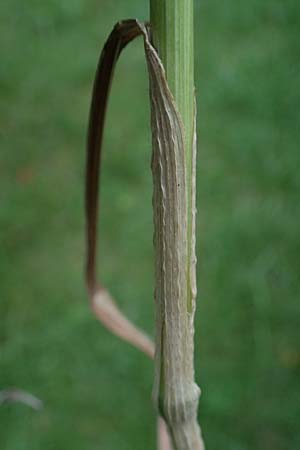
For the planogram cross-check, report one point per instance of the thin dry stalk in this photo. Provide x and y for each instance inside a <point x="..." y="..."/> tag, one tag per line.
<point x="14" y="395"/>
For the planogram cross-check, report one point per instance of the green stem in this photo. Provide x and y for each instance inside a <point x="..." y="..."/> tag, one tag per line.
<point x="172" y="25"/>
<point x="172" y="32"/>
<point x="173" y="166"/>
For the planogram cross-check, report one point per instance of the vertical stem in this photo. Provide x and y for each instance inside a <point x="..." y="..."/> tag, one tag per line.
<point x="172" y="33"/>
<point x="172" y="25"/>
<point x="175" y="391"/>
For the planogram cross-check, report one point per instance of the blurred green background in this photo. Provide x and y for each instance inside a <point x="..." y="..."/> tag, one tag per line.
<point x="96" y="389"/>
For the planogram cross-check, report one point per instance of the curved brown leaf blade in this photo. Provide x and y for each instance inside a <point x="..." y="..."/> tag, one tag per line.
<point x="108" y="312"/>
<point x="102" y="303"/>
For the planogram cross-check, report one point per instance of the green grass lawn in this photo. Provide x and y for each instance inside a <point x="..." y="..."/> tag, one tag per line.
<point x="96" y="389"/>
